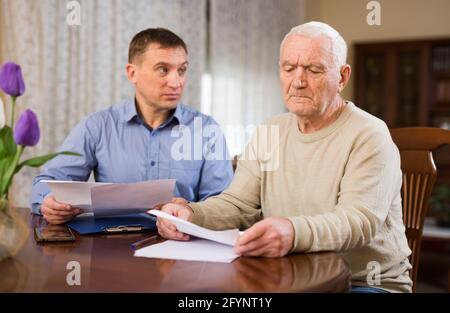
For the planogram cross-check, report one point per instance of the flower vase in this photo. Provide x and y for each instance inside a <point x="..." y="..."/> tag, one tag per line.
<point x="13" y="230"/>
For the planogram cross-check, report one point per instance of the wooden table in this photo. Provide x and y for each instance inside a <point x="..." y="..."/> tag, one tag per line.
<point x="107" y="264"/>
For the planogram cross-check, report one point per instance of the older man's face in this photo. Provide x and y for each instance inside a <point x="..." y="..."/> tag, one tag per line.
<point x="309" y="77"/>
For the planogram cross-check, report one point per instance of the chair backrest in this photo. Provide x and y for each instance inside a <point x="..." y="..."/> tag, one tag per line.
<point x="419" y="175"/>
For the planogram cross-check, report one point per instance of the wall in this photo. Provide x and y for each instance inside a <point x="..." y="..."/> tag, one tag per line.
<point x="400" y="19"/>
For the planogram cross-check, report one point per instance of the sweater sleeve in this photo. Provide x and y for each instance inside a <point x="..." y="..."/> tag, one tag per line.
<point x="239" y="206"/>
<point x="371" y="180"/>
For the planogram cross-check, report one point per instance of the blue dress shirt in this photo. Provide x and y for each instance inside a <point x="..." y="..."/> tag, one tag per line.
<point x="119" y="147"/>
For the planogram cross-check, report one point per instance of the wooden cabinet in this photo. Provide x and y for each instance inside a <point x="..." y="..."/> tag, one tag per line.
<point x="407" y="83"/>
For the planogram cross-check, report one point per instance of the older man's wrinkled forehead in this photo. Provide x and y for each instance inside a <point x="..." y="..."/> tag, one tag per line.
<point x="300" y="49"/>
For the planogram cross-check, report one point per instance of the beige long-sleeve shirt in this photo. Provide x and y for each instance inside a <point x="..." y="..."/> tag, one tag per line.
<point x="339" y="186"/>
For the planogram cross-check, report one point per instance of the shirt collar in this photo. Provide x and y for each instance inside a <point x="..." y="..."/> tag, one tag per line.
<point x="130" y="114"/>
<point x="178" y="115"/>
<point x="130" y="111"/>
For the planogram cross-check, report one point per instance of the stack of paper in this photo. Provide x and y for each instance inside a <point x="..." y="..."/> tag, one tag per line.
<point x="210" y="245"/>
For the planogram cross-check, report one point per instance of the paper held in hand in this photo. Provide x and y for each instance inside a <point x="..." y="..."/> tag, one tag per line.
<point x="204" y="244"/>
<point x="107" y="199"/>
<point x="227" y="237"/>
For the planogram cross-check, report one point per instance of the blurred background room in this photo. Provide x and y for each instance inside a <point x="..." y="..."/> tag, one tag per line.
<point x="73" y="56"/>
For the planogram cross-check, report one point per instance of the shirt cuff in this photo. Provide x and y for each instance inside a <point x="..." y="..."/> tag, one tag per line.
<point x="36" y="206"/>
<point x="303" y="234"/>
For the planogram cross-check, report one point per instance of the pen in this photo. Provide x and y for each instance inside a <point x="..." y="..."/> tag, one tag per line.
<point x="144" y="241"/>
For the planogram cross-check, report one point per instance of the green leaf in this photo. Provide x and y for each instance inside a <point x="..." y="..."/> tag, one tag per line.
<point x="40" y="160"/>
<point x="9" y="170"/>
<point x="5" y="163"/>
<point x="8" y="146"/>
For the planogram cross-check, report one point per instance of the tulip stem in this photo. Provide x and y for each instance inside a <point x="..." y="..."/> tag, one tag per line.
<point x="11" y="171"/>
<point x="12" y="111"/>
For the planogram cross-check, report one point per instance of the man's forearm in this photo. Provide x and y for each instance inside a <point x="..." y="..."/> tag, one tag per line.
<point x="225" y="211"/>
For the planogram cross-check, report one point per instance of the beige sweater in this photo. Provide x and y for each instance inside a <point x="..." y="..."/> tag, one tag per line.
<point x="340" y="187"/>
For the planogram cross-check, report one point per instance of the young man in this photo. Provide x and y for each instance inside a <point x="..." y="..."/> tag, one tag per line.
<point x="140" y="139"/>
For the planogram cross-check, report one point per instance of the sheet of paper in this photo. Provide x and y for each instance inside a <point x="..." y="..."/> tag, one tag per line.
<point x="195" y="249"/>
<point x="227" y="237"/>
<point x="76" y="193"/>
<point x="105" y="199"/>
<point x="117" y="199"/>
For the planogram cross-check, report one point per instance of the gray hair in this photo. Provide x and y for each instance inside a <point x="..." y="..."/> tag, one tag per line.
<point x="316" y="29"/>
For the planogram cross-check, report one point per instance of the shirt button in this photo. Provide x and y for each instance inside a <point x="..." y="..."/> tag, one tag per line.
<point x="153" y="134"/>
<point x="152" y="163"/>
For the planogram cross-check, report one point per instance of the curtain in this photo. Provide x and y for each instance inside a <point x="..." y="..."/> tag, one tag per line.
<point x="245" y="38"/>
<point x="71" y="71"/>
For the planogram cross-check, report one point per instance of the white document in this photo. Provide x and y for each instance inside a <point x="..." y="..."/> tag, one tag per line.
<point x="116" y="199"/>
<point x="211" y="245"/>
<point x="77" y="194"/>
<point x="227" y="237"/>
<point x="106" y="199"/>
<point x="196" y="249"/>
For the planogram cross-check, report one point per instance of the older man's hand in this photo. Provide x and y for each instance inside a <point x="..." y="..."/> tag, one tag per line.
<point x="168" y="230"/>
<point x="271" y="237"/>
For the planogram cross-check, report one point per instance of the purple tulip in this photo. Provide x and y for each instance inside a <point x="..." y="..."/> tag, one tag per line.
<point x="11" y="80"/>
<point x="26" y="132"/>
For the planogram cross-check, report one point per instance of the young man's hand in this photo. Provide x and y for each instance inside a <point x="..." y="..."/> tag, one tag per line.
<point x="56" y="212"/>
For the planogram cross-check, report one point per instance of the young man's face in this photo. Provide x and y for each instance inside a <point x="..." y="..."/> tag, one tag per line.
<point x="309" y="77"/>
<point x="159" y="76"/>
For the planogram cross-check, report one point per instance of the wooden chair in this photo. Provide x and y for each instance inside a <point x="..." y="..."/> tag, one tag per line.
<point x="234" y="162"/>
<point x="419" y="175"/>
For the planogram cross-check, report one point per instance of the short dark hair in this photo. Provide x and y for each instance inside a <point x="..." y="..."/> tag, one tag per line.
<point x="162" y="36"/>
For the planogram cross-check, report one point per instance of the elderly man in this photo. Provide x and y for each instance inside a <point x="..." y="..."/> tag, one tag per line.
<point x="332" y="183"/>
<point x="141" y="139"/>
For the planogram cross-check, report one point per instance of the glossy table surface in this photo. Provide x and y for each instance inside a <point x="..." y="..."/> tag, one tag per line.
<point x="106" y="264"/>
